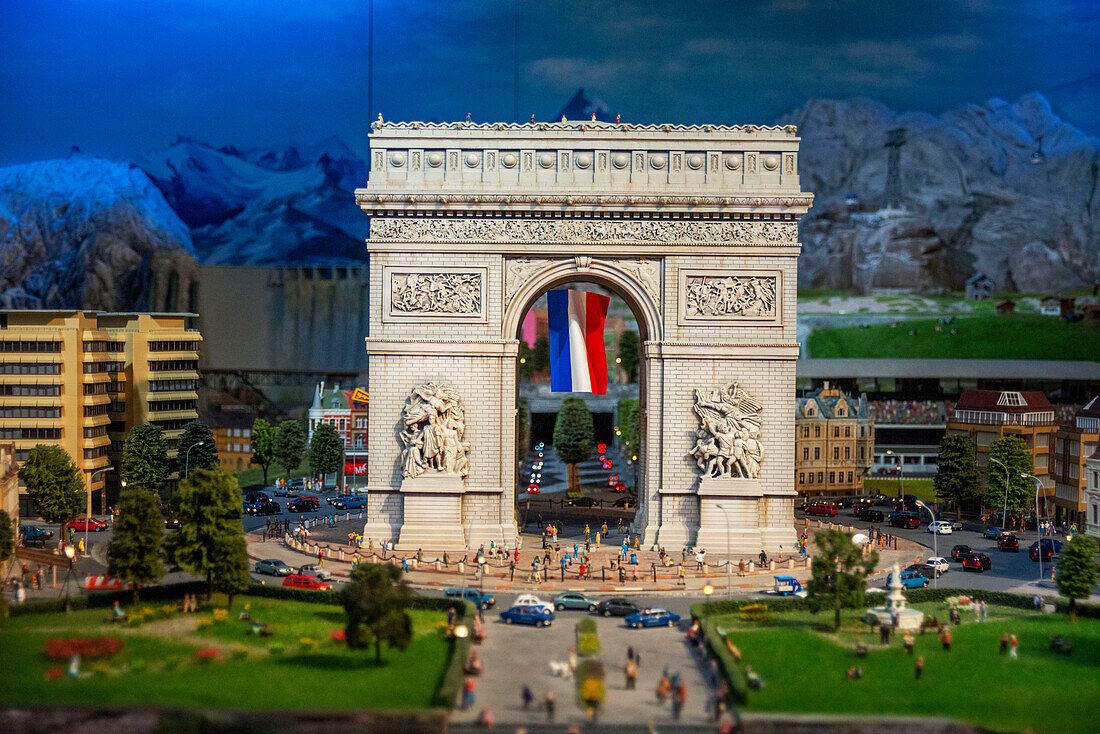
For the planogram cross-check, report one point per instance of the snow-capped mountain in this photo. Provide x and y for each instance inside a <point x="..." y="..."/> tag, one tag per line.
<point x="1008" y="189"/>
<point x="85" y="232"/>
<point x="290" y="205"/>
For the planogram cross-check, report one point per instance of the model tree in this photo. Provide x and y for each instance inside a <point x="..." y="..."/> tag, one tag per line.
<point x="196" y="448"/>
<point x="630" y="426"/>
<point x="135" y="552"/>
<point x="526" y="364"/>
<point x="376" y="602"/>
<point x="210" y="529"/>
<point x="574" y="437"/>
<point x="540" y="354"/>
<point x="230" y="567"/>
<point x="1012" y="452"/>
<point x="7" y="536"/>
<point x="263" y="445"/>
<point x="1076" y="577"/>
<point x="326" y="450"/>
<point x="956" y="477"/>
<point x="840" y="573"/>
<point x="145" y="460"/>
<point x="629" y="354"/>
<point x="290" y="445"/>
<point x="523" y="430"/>
<point x="54" y="484"/>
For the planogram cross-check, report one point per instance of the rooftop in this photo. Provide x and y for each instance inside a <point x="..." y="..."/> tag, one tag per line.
<point x="1004" y="401"/>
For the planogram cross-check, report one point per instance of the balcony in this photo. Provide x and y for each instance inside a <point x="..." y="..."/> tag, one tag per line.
<point x="991" y="418"/>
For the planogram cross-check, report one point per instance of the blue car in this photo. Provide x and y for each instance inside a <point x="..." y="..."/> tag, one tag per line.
<point x="273" y="567"/>
<point x="483" y="601"/>
<point x="652" y="618"/>
<point x="993" y="533"/>
<point x="536" y="616"/>
<point x="350" y="503"/>
<point x="909" y="579"/>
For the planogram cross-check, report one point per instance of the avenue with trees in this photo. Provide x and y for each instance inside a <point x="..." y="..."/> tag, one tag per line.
<point x="263" y="445"/>
<point x="54" y="484"/>
<point x="1011" y="452"/>
<point x="210" y="540"/>
<point x="957" y="480"/>
<point x="376" y="601"/>
<point x="839" y="573"/>
<point x="145" y="461"/>
<point x="574" y="437"/>
<point x="326" y="450"/>
<point x="289" y="445"/>
<point x="136" y="551"/>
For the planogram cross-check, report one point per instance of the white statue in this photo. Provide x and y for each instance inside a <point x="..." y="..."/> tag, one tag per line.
<point x="727" y="444"/>
<point x="434" y="427"/>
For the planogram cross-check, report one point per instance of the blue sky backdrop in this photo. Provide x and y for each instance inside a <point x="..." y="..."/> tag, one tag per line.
<point x="124" y="77"/>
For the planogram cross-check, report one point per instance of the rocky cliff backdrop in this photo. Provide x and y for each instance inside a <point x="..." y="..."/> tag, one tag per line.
<point x="1007" y="189"/>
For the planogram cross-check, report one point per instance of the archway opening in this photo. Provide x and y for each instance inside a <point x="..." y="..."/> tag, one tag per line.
<point x="606" y="486"/>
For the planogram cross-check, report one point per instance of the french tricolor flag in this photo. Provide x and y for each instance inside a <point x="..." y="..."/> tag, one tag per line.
<point x="578" y="362"/>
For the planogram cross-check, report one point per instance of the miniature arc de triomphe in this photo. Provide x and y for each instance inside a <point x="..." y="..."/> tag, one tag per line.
<point x="696" y="228"/>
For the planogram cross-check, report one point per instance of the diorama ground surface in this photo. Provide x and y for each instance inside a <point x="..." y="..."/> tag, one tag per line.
<point x="804" y="666"/>
<point x="922" y="489"/>
<point x="298" y="667"/>
<point x="987" y="336"/>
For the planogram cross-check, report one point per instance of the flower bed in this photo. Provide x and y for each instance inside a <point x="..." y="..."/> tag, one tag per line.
<point x="89" y="647"/>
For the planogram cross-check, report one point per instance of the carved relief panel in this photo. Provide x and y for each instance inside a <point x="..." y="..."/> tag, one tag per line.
<point x="441" y="294"/>
<point x="751" y="296"/>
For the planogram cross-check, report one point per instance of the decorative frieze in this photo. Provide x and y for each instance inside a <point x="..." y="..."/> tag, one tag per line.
<point x="433" y="431"/>
<point x="582" y="230"/>
<point x="754" y="297"/>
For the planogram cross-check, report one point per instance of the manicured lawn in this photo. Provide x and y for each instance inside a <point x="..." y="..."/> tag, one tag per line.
<point x="158" y="664"/>
<point x="919" y="488"/>
<point x="1012" y="336"/>
<point x="805" y="670"/>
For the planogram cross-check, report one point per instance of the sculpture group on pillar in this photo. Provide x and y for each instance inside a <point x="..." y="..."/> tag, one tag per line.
<point x="433" y="430"/>
<point x="727" y="443"/>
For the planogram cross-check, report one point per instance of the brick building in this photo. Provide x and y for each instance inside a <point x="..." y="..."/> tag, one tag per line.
<point x="986" y="415"/>
<point x="1073" y="445"/>
<point x="82" y="380"/>
<point x="834" y="443"/>
<point x="349" y="417"/>
<point x="232" y="436"/>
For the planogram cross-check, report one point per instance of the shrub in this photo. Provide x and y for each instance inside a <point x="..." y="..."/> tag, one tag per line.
<point x="89" y="647"/>
<point x="207" y="655"/>
<point x="588" y="645"/>
<point x="590" y="682"/>
<point x="102" y="668"/>
<point x="586" y="626"/>
<point x="276" y="649"/>
<point x="755" y="613"/>
<point x="237" y="651"/>
<point x="220" y="615"/>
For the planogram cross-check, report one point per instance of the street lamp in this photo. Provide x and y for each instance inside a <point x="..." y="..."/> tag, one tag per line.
<point x="1004" y="509"/>
<point x="88" y="513"/>
<point x="729" y="557"/>
<point x="187" y="456"/>
<point x="901" y="482"/>
<point x="935" y="551"/>
<point x="69" y="553"/>
<point x="481" y="572"/>
<point x="1039" y="542"/>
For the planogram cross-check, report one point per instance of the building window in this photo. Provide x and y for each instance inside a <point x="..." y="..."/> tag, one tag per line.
<point x="158" y="406"/>
<point x="29" y="368"/>
<point x="90" y="411"/>
<point x="30" y="347"/>
<point x="811" y="480"/>
<point x="847" y="431"/>
<point x="801" y="477"/>
<point x="817" y="453"/>
<point x="862" y="431"/>
<point x="23" y="434"/>
<point x="29" y="411"/>
<point x="847" y="452"/>
<point x="832" y="477"/>
<point x="174" y="346"/>
<point x="862" y="453"/>
<point x="836" y="453"/>
<point x="31" y="391"/>
<point x="246" y="432"/>
<point x="836" y="431"/>
<point x="821" y="477"/>
<point x="817" y="431"/>
<point x="1074" y="448"/>
<point x="173" y="365"/>
<point x="1041" y="461"/>
<point x="1042" y="440"/>
<point x="1073" y="471"/>
<point x="172" y="385"/>
<point x="95" y="432"/>
<point x="849" y="477"/>
<point x="805" y="431"/>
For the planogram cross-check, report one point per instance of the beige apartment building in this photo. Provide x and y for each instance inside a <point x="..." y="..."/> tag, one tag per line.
<point x="834" y="443"/>
<point x="986" y="415"/>
<point x="82" y="379"/>
<point x="1073" y="445"/>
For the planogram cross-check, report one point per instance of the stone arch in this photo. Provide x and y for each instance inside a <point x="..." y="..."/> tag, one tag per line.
<point x="607" y="273"/>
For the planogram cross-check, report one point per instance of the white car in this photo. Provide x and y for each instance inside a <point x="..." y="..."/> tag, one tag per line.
<point x="938" y="564"/>
<point x="530" y="600"/>
<point x="940" y="527"/>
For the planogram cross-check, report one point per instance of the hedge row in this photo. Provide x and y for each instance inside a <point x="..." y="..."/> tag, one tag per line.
<point x="738" y="683"/>
<point x="914" y="596"/>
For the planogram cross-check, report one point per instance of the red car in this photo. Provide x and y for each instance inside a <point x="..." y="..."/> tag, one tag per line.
<point x="299" y="581"/>
<point x="619" y="487"/>
<point x="532" y="489"/>
<point x="821" y="508"/>
<point x="87" y="523"/>
<point x="976" y="562"/>
<point x="1008" y="543"/>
